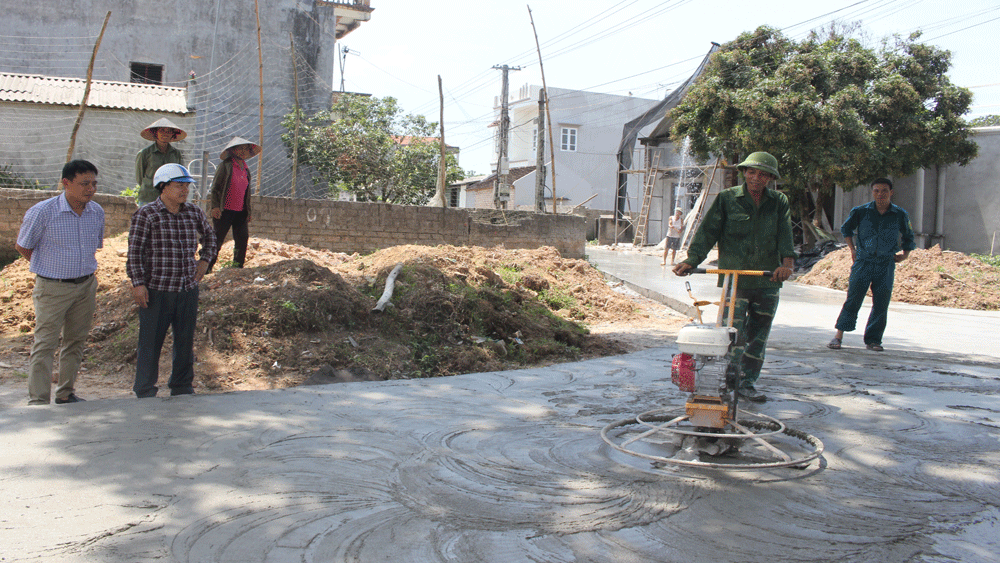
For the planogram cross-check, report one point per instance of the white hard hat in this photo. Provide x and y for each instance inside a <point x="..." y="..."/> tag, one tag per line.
<point x="171" y="173"/>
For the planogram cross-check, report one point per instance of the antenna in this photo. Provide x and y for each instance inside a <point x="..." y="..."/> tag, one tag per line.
<point x="344" y="51"/>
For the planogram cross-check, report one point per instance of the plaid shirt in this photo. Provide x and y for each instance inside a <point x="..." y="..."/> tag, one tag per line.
<point x="162" y="246"/>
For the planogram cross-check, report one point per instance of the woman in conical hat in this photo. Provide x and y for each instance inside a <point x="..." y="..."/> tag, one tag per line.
<point x="231" y="197"/>
<point x="162" y="132"/>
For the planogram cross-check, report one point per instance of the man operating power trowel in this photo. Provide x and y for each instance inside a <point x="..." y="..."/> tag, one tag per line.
<point x="753" y="229"/>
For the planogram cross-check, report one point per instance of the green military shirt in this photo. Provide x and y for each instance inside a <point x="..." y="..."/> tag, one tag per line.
<point x="749" y="237"/>
<point x="147" y="161"/>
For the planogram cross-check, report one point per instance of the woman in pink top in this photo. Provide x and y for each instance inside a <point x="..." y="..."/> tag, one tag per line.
<point x="231" y="197"/>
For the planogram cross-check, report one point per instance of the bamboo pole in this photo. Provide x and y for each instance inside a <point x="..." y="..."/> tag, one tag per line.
<point x="548" y="111"/>
<point x="260" y="62"/>
<point x="295" y="133"/>
<point x="86" y="90"/>
<point x="439" y="200"/>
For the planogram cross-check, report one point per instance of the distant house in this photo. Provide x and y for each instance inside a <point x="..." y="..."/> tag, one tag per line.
<point x="208" y="50"/>
<point x="587" y="130"/>
<point x="39" y="113"/>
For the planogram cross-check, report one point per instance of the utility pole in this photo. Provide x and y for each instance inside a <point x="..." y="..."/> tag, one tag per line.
<point x="540" y="156"/>
<point x="501" y="188"/>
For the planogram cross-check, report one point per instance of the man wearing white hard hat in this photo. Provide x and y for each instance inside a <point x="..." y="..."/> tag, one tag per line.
<point x="162" y="132"/>
<point x="162" y="241"/>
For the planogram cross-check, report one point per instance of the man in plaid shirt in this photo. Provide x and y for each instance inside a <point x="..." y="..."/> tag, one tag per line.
<point x="162" y="242"/>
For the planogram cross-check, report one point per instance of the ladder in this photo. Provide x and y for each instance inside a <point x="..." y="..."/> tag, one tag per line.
<point x="647" y="197"/>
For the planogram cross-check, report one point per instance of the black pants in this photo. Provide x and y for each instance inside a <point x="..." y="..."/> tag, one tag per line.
<point x="241" y="234"/>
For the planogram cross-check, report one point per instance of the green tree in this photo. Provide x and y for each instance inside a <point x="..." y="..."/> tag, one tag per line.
<point x="985" y="121"/>
<point x="830" y="109"/>
<point x="366" y="146"/>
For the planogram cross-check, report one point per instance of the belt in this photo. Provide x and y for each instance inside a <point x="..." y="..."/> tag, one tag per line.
<point x="80" y="279"/>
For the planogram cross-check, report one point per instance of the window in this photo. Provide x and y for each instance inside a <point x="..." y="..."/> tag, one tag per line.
<point x="567" y="141"/>
<point x="146" y="73"/>
<point x="453" y="195"/>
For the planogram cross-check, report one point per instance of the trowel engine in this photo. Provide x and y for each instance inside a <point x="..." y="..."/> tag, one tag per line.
<point x="702" y="368"/>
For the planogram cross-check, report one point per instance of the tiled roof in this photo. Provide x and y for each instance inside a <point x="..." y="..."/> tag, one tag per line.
<point x="54" y="90"/>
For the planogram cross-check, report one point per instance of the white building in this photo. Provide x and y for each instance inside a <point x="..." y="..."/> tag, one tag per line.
<point x="587" y="129"/>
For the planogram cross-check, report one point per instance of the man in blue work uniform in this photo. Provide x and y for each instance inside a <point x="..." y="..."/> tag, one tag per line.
<point x="752" y="226"/>
<point x="878" y="227"/>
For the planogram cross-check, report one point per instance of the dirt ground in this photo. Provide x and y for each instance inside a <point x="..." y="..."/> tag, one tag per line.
<point x="299" y="316"/>
<point x="927" y="277"/>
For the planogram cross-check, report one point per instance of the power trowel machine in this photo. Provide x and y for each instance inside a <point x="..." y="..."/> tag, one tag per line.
<point x="708" y="431"/>
<point x="704" y="368"/>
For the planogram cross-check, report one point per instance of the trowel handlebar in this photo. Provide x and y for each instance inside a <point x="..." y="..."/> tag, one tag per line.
<point x="765" y="273"/>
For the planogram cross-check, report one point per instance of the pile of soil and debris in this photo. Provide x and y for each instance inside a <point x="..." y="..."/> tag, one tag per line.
<point x="300" y="315"/>
<point x="926" y="277"/>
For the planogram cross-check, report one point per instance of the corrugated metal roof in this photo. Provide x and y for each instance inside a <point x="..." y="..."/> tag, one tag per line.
<point x="54" y="90"/>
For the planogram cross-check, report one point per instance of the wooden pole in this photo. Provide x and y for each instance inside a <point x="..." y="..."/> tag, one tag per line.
<point x="548" y="111"/>
<point x="439" y="200"/>
<point x="86" y="91"/>
<point x="260" y="62"/>
<point x="540" y="157"/>
<point x="295" y="133"/>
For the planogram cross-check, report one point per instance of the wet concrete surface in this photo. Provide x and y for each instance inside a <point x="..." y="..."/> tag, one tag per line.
<point x="510" y="466"/>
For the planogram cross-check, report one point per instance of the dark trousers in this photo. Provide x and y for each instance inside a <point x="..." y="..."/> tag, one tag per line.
<point x="752" y="319"/>
<point x="177" y="309"/>
<point x="237" y="220"/>
<point x="879" y="274"/>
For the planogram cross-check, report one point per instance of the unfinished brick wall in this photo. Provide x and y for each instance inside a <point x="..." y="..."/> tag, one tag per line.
<point x="350" y="227"/>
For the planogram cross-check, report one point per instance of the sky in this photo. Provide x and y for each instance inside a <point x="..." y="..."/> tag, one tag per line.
<point x="644" y="48"/>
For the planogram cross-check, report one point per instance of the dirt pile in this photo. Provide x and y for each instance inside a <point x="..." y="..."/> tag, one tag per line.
<point x="927" y="277"/>
<point x="301" y="315"/>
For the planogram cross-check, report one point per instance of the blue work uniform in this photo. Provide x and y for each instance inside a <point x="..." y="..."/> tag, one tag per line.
<point x="877" y="238"/>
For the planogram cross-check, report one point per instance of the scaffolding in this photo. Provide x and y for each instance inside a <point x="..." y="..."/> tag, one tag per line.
<point x="643" y="200"/>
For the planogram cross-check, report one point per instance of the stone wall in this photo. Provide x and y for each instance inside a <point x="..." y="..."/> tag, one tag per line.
<point x="350" y="226"/>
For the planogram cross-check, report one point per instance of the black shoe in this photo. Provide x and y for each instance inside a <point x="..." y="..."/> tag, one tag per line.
<point x="752" y="394"/>
<point x="176" y="392"/>
<point x="71" y="399"/>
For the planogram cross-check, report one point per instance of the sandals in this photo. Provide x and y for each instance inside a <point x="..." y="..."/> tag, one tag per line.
<point x="834" y="344"/>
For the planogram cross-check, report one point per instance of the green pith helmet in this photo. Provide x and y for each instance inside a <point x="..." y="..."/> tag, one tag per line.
<point x="761" y="161"/>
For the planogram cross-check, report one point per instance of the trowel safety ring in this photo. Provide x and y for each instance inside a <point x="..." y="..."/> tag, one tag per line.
<point x="649" y="418"/>
<point x="755" y="428"/>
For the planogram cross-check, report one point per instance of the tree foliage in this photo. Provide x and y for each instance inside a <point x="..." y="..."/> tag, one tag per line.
<point x="985" y="121"/>
<point x="830" y="109"/>
<point x="366" y="146"/>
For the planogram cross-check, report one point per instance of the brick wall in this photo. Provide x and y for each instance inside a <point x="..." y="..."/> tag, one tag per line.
<point x="350" y="226"/>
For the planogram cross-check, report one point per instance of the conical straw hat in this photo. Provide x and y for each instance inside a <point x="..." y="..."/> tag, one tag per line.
<point x="237" y="141"/>
<point x="147" y="133"/>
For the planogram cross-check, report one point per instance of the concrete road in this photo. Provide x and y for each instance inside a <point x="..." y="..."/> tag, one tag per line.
<point x="510" y="466"/>
<point x="806" y="313"/>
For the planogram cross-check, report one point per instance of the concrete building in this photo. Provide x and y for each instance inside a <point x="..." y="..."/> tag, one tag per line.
<point x="587" y="129"/>
<point x="955" y="206"/>
<point x="209" y="49"/>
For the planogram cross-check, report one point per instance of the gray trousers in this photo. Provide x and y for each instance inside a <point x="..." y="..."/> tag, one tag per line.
<point x="166" y="309"/>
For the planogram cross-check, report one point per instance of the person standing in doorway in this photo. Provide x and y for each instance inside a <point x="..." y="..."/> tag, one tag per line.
<point x="150" y="159"/>
<point x="162" y="241"/>
<point x="60" y="237"/>
<point x="231" y="197"/>
<point x="675" y="229"/>
<point x="881" y="229"/>
<point x="752" y="226"/>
